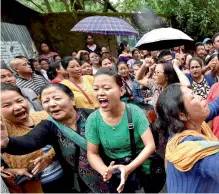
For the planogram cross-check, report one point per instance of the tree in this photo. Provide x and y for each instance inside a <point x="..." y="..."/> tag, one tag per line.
<point x="48" y="6"/>
<point x="198" y="18"/>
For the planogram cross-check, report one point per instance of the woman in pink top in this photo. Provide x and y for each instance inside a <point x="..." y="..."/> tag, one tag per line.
<point x="46" y="53"/>
<point x="212" y="95"/>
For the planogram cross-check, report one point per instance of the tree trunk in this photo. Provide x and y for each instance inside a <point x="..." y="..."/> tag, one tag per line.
<point x="66" y="5"/>
<point x="48" y="6"/>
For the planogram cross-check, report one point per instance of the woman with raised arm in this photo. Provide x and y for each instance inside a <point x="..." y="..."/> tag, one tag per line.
<point x="64" y="130"/>
<point x="192" y="150"/>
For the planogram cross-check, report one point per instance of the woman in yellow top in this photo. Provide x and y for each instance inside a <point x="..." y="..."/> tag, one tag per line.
<point x="81" y="85"/>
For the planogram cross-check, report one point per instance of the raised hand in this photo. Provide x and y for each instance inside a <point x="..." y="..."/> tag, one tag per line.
<point x="148" y="62"/>
<point x="4" y="135"/>
<point x="176" y="62"/>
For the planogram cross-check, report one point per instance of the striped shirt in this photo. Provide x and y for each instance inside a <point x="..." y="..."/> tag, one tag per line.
<point x="36" y="83"/>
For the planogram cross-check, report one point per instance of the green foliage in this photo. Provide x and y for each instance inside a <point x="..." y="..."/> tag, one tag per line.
<point x="39" y="5"/>
<point x="198" y="18"/>
<point x="130" y="6"/>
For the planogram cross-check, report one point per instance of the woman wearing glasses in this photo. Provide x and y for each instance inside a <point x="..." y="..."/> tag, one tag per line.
<point x="160" y="76"/>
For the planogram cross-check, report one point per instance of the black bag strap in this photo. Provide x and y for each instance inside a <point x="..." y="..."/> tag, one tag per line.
<point x="77" y="152"/>
<point x="131" y="132"/>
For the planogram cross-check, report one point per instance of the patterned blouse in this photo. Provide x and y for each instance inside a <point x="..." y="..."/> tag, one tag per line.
<point x="202" y="89"/>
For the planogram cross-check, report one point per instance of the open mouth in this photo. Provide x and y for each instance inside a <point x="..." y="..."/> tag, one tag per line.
<point x="21" y="115"/>
<point x="103" y="103"/>
<point x="54" y="112"/>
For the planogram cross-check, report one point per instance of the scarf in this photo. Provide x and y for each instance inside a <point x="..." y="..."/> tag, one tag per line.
<point x="71" y="134"/>
<point x="185" y="155"/>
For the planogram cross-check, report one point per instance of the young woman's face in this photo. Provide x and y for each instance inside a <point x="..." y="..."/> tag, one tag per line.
<point x="94" y="58"/>
<point x="196" y="106"/>
<point x="160" y="77"/>
<point x="14" y="107"/>
<point x="127" y="47"/>
<point x="123" y="70"/>
<point x="44" y="65"/>
<point x="7" y="77"/>
<point x="137" y="55"/>
<point x="74" y="69"/>
<point x="36" y="66"/>
<point x="106" y="63"/>
<point x="107" y="92"/>
<point x="58" y="58"/>
<point x="90" y="40"/>
<point x="135" y="68"/>
<point x="86" y="69"/>
<point x="195" y="69"/>
<point x="57" y="104"/>
<point x="44" y="48"/>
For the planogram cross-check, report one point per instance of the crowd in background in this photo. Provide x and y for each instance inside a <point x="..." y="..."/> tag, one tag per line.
<point x="71" y="118"/>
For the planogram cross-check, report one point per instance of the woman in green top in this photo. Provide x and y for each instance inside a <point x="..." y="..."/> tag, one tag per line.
<point x="108" y="127"/>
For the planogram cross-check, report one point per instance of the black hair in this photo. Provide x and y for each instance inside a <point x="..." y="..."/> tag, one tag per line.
<point x="32" y="61"/>
<point x="138" y="62"/>
<point x="122" y="62"/>
<point x="54" y="57"/>
<point x="88" y="35"/>
<point x="169" y="105"/>
<point x="93" y="52"/>
<point x="20" y="57"/>
<point x="215" y="36"/>
<point x="43" y="60"/>
<point x="212" y="55"/>
<point x="122" y="46"/>
<point x="83" y="62"/>
<point x="164" y="53"/>
<point x="4" y="66"/>
<point x="197" y="44"/>
<point x="169" y="72"/>
<point x="7" y="87"/>
<point x="52" y="69"/>
<point x="65" y="61"/>
<point x="134" y="51"/>
<point x="110" y="72"/>
<point x="196" y="59"/>
<point x="44" y="43"/>
<point x="58" y="86"/>
<point x="102" y="59"/>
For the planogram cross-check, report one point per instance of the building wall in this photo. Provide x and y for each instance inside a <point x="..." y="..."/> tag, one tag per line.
<point x="55" y="30"/>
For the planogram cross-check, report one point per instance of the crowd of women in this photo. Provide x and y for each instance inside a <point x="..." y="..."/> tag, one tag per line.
<point x="103" y="123"/>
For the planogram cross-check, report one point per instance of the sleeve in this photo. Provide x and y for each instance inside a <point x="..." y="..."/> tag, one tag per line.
<point x="208" y="167"/>
<point x="211" y="92"/>
<point x="214" y="109"/>
<point x="90" y="79"/>
<point x="136" y="97"/>
<point x="41" y="135"/>
<point x="140" y="120"/>
<point x="91" y="131"/>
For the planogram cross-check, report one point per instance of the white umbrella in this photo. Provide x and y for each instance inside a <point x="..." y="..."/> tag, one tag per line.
<point x="163" y="38"/>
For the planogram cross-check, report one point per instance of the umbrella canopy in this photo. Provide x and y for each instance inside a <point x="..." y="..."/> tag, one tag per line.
<point x="104" y="25"/>
<point x="163" y="38"/>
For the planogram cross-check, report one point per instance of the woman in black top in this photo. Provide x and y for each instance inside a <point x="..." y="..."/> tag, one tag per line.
<point x="64" y="130"/>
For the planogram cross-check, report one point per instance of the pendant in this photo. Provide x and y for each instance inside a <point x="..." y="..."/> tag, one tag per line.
<point x="114" y="128"/>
